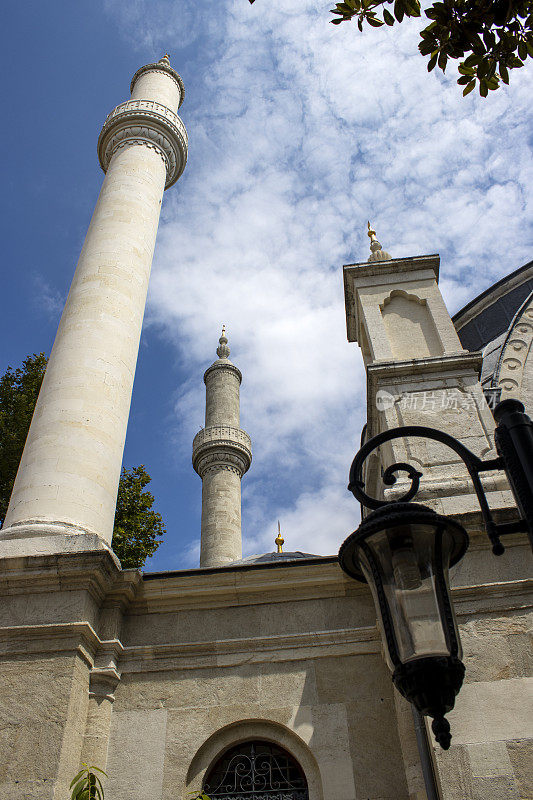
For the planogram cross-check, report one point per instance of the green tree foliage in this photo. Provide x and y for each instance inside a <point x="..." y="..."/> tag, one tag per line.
<point x="138" y="529"/>
<point x="86" y="785"/>
<point x="489" y="37"/>
<point x="19" y="389"/>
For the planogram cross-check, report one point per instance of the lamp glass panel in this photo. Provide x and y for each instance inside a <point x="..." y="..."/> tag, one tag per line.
<point x="407" y="559"/>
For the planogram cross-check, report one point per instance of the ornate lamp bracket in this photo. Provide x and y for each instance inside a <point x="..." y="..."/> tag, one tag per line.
<point x="514" y="443"/>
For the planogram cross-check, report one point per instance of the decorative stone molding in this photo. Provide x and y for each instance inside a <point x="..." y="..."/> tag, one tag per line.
<point x="511" y="364"/>
<point x="148" y="123"/>
<point x="103" y="682"/>
<point x="254" y="650"/>
<point x="165" y="69"/>
<point x="221" y="447"/>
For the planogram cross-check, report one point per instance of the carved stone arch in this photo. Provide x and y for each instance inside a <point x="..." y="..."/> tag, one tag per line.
<point x="412" y="298"/>
<point x="514" y="371"/>
<point x="410" y="326"/>
<point x="254" y="729"/>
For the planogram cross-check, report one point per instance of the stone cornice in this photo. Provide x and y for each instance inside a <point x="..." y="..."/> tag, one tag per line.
<point x="257" y="649"/>
<point x="503" y="596"/>
<point x="221" y="447"/>
<point x="94" y="571"/>
<point x="418" y="368"/>
<point x="165" y="69"/>
<point x="396" y="266"/>
<point x="148" y="123"/>
<point x="50" y="638"/>
<point x="219" y="587"/>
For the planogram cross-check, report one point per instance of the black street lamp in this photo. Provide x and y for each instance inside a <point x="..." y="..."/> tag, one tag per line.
<point x="403" y="550"/>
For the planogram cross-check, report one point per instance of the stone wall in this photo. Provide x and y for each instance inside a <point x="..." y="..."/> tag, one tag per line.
<point x="152" y="679"/>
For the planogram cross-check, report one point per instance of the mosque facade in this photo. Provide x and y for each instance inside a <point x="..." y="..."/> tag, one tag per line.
<point x="260" y="678"/>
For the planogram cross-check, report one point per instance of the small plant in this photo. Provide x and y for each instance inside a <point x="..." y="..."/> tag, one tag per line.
<point x="86" y="785"/>
<point x="198" y="796"/>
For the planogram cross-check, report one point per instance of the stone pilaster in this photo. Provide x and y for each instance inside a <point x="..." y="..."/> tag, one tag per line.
<point x="419" y="374"/>
<point x="221" y="455"/>
<point x="65" y="491"/>
<point x="59" y="653"/>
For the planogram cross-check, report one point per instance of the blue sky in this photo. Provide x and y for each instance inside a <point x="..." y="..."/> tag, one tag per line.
<point x="299" y="131"/>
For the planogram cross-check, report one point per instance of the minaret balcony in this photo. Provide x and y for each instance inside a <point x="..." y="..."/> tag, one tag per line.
<point x="150" y="123"/>
<point x="219" y="444"/>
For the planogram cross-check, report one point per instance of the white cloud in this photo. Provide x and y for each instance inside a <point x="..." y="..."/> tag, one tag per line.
<point x="48" y="300"/>
<point x="300" y="132"/>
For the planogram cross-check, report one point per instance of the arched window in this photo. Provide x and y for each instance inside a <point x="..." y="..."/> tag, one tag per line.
<point x="256" y="771"/>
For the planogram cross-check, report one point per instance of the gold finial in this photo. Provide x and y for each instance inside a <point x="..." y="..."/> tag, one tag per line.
<point x="223" y="350"/>
<point x="279" y="540"/>
<point x="376" y="251"/>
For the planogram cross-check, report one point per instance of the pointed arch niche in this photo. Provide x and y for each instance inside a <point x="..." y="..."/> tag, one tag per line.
<point x="409" y="326"/>
<point x="285" y="743"/>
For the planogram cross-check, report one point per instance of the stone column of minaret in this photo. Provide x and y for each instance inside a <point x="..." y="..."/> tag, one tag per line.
<point x="221" y="454"/>
<point x="65" y="492"/>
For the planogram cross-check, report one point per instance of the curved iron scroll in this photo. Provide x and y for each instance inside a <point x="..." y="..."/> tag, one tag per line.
<point x="256" y="771"/>
<point x="472" y="462"/>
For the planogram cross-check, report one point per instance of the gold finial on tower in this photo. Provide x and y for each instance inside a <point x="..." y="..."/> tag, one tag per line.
<point x="223" y="350"/>
<point x="279" y="540"/>
<point x="376" y="251"/>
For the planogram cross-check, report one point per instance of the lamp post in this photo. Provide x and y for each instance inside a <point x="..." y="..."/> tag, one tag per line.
<point x="403" y="550"/>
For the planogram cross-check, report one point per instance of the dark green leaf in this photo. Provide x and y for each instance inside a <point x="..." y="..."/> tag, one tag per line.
<point x="76" y="778"/>
<point x="504" y="75"/>
<point x="80" y="784"/>
<point x="432" y="63"/>
<point x="387" y="16"/>
<point x="425" y="48"/>
<point x="468" y="88"/>
<point x="483" y="88"/>
<point x="375" y="22"/>
<point x="482" y="68"/>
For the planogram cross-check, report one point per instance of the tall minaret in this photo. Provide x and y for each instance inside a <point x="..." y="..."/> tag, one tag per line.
<point x="221" y="454"/>
<point x="65" y="491"/>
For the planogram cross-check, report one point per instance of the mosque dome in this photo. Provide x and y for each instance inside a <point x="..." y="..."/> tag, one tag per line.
<point x="269" y="558"/>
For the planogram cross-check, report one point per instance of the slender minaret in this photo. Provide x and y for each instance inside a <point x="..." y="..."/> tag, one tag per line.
<point x="65" y="491"/>
<point x="221" y="454"/>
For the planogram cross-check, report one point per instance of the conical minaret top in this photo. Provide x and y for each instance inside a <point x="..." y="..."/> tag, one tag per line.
<point x="377" y="252"/>
<point x="221" y="454"/>
<point x="223" y="350"/>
